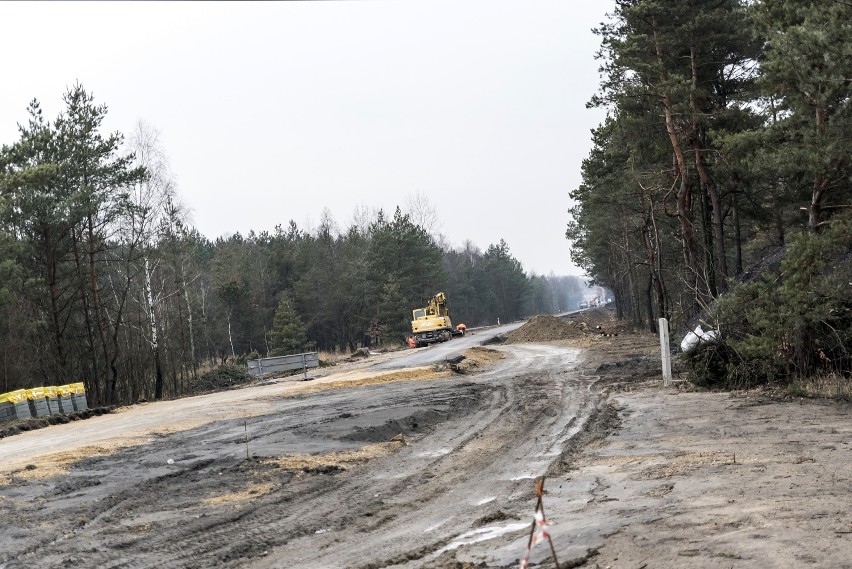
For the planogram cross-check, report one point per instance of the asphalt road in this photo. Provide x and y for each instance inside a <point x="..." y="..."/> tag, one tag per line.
<point x="443" y="351"/>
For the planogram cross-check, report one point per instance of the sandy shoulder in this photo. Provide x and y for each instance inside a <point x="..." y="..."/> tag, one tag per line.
<point x="714" y="480"/>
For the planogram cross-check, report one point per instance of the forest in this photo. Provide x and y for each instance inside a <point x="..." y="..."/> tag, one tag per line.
<point x="104" y="280"/>
<point x="718" y="191"/>
<point x="719" y="187"/>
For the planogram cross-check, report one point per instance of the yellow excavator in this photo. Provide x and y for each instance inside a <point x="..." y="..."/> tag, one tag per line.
<point x="432" y="322"/>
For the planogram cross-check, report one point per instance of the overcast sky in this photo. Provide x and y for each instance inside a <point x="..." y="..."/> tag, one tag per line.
<point x="274" y="111"/>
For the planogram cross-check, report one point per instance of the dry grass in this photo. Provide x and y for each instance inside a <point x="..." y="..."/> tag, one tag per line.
<point x="831" y="386"/>
<point x="332" y="357"/>
<point x="57" y="464"/>
<point x="417" y="374"/>
<point x="253" y="491"/>
<point x="337" y="459"/>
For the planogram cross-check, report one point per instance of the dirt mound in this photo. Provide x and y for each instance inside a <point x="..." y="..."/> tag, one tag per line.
<point x="546" y="329"/>
<point x="475" y="358"/>
<point x="17" y="427"/>
<point x="583" y="328"/>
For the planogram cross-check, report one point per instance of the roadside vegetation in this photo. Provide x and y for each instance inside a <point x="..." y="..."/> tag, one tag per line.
<point x="719" y="187"/>
<point x="104" y="280"/>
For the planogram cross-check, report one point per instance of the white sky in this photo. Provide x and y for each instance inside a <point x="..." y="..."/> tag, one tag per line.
<point x="274" y="111"/>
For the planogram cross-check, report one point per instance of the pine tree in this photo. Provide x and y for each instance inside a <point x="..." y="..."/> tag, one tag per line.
<point x="806" y="73"/>
<point x="288" y="332"/>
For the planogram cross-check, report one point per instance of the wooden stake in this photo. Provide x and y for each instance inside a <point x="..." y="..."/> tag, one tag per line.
<point x="539" y="506"/>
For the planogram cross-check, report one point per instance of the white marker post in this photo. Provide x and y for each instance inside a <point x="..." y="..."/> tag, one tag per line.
<point x="665" y="352"/>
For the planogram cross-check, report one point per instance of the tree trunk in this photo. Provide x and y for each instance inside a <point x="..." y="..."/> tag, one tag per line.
<point x="649" y="303"/>
<point x="189" y="323"/>
<point x="87" y="317"/>
<point x="155" y="339"/>
<point x="707" y="233"/>
<point x="662" y="294"/>
<point x="821" y="181"/>
<point x="120" y="303"/>
<point x="718" y="226"/>
<point x="628" y="263"/>
<point x="230" y="338"/>
<point x="96" y="302"/>
<point x="718" y="230"/>
<point x="684" y="193"/>
<point x="738" y="237"/>
<point x="58" y="336"/>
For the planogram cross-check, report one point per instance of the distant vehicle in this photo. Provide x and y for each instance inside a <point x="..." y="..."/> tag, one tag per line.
<point x="584" y="304"/>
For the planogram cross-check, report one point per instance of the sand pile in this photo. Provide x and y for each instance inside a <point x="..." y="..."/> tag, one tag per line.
<point x="546" y="329"/>
<point x="475" y="358"/>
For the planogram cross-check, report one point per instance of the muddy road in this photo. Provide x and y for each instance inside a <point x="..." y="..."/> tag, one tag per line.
<point x="424" y="467"/>
<point x="417" y="472"/>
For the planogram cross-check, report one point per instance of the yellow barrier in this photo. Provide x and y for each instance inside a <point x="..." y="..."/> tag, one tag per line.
<point x="41" y="392"/>
<point x="49" y="391"/>
<point x="14" y="396"/>
<point x="35" y="393"/>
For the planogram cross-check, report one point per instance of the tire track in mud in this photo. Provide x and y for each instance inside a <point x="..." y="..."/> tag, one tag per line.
<point x="478" y="461"/>
<point x="485" y="440"/>
<point x="186" y="542"/>
<point x="213" y="543"/>
<point x="321" y="502"/>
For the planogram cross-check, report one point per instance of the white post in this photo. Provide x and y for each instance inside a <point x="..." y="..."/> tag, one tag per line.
<point x="665" y="352"/>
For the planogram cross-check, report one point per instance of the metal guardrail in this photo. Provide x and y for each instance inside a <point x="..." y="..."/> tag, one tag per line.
<point x="277" y="364"/>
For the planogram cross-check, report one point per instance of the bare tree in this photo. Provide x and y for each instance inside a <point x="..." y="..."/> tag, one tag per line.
<point x="155" y="207"/>
<point x="421" y="212"/>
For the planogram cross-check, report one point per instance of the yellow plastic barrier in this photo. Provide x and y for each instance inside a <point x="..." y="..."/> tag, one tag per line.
<point x="13" y="405"/>
<point x="14" y="396"/>
<point x="50" y="391"/>
<point x="79" y="388"/>
<point x="64" y="390"/>
<point x="35" y="393"/>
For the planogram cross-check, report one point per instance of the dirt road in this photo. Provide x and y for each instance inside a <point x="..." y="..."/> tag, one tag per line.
<point x="426" y="468"/>
<point x="311" y="493"/>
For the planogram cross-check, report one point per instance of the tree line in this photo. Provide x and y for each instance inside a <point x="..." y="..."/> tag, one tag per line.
<point x="727" y="138"/>
<point x="102" y="279"/>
